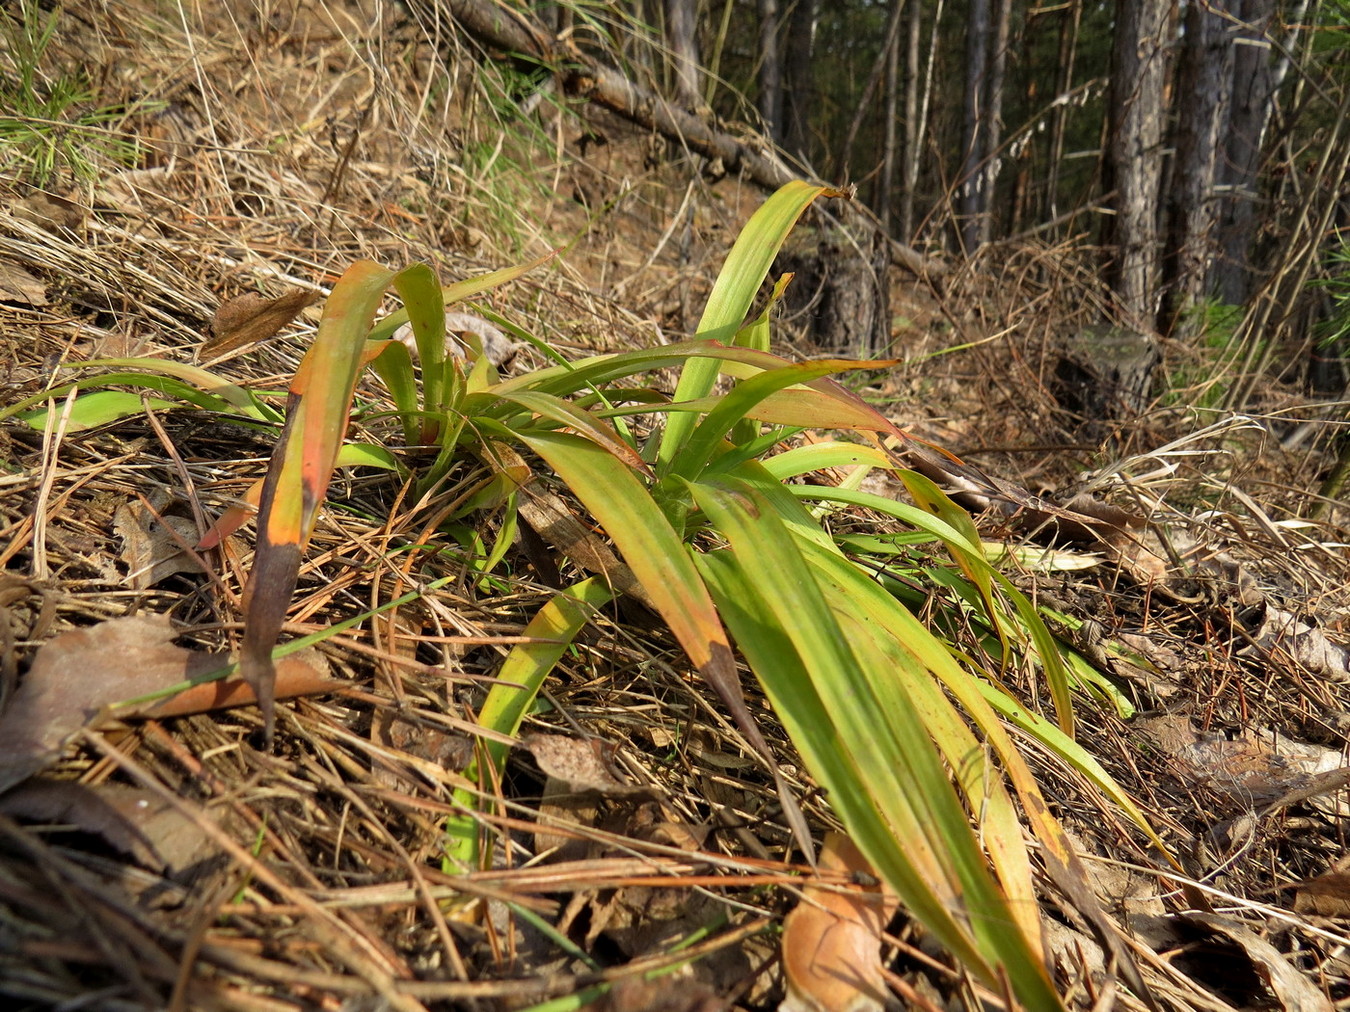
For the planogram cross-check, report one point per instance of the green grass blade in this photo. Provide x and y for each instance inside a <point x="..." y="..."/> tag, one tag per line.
<point x="645" y="539"/>
<point x="394" y="367"/>
<point x="522" y="674"/>
<point x="422" y="301"/>
<point x="732" y="295"/>
<point x="734" y="406"/>
<point x="897" y="795"/>
<point x="93" y="409"/>
<point x="458" y="292"/>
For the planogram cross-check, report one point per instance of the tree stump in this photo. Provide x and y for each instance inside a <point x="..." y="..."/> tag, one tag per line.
<point x="839" y="300"/>
<point x="1104" y="375"/>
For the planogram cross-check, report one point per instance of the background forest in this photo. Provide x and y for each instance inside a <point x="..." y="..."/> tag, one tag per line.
<point x="961" y="625"/>
<point x="1198" y="138"/>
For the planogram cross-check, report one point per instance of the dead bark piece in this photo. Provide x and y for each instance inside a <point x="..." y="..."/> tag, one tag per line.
<point x="832" y="941"/>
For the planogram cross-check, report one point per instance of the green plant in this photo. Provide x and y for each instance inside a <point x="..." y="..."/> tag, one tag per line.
<point x="45" y="119"/>
<point x="692" y="491"/>
<point x="1205" y="382"/>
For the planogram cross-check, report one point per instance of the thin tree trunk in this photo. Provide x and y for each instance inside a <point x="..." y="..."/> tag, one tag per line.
<point x="993" y="130"/>
<point x="1254" y="83"/>
<point x="879" y="67"/>
<point x="909" y="169"/>
<point x="581" y="75"/>
<point x="798" y="79"/>
<point x="682" y="45"/>
<point x="770" y="70"/>
<point x="973" y="120"/>
<point x="1059" y="116"/>
<point x="885" y="199"/>
<point x="1205" y="79"/>
<point x="1134" y="153"/>
<point x="986" y="61"/>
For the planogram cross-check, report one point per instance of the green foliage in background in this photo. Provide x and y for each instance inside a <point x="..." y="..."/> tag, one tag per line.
<point x="48" y="118"/>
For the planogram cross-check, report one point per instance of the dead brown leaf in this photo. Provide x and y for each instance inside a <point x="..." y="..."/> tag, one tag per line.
<point x="832" y="941"/>
<point x="249" y="318"/>
<point x="583" y="765"/>
<point x="1327" y="895"/>
<point x="1292" y="990"/>
<point x="1257" y="768"/>
<point x="130" y="819"/>
<point x="19" y="286"/>
<point x="149" y="547"/>
<point x="78" y="675"/>
<point x="47" y="210"/>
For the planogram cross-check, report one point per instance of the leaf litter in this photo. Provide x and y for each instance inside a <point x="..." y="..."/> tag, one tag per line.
<point x="1209" y="613"/>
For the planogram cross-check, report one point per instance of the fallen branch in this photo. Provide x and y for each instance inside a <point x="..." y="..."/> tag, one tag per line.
<point x="520" y="36"/>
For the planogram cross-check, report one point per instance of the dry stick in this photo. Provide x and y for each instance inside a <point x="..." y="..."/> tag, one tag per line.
<point x="329" y="929"/>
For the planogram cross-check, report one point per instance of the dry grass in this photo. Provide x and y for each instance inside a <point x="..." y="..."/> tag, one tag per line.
<point x="293" y="141"/>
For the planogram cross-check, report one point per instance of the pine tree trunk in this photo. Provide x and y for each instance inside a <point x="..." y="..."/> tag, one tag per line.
<point x="1254" y="83"/>
<point x="797" y="79"/>
<point x="986" y="61"/>
<point x="770" y="70"/>
<point x="916" y="113"/>
<point x="1059" y="116"/>
<point x="682" y="45"/>
<point x="885" y="200"/>
<point x="1204" y="78"/>
<point x="969" y="203"/>
<point x="1134" y="155"/>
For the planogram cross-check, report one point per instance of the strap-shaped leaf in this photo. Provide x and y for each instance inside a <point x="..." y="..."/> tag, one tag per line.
<point x="302" y="466"/>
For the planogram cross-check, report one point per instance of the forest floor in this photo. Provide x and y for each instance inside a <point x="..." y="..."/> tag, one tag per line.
<point x="164" y="859"/>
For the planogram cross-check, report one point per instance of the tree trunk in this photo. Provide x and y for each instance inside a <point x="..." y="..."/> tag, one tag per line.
<point x="1059" y="116"/>
<point x="770" y="70"/>
<point x="986" y="61"/>
<point x="682" y="45"/>
<point x="909" y="171"/>
<point x="1253" y="91"/>
<point x="583" y="76"/>
<point x="797" y="80"/>
<point x="885" y="199"/>
<point x="1134" y="153"/>
<point x="1204" y="80"/>
<point x="879" y="68"/>
<point x="969" y="202"/>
